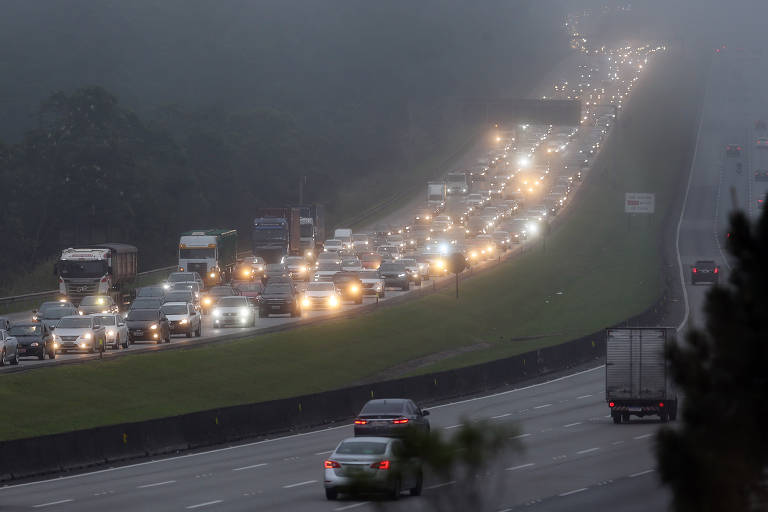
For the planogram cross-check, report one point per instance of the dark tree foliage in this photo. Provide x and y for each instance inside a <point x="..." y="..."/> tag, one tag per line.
<point x="716" y="459"/>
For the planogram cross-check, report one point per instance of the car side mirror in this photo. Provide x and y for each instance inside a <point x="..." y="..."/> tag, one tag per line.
<point x="425" y="413"/>
<point x="164" y="319"/>
<point x="121" y="324"/>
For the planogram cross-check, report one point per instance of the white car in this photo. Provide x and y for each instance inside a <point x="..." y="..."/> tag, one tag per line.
<point x="321" y="295"/>
<point x="333" y="245"/>
<point x="116" y="330"/>
<point x="326" y="270"/>
<point x="80" y="333"/>
<point x="475" y="200"/>
<point x="183" y="318"/>
<point x="372" y="283"/>
<point x="193" y="286"/>
<point x="235" y="310"/>
<point x="9" y="349"/>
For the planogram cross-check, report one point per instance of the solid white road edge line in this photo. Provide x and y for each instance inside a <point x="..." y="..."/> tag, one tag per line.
<point x="685" y="202"/>
<point x="156" y="484"/>
<point x="354" y="505"/>
<point x="588" y="450"/>
<point x="641" y="473"/>
<point x="521" y="466"/>
<point x="199" y="505"/>
<point x="568" y="493"/>
<point x="251" y="467"/>
<point x="293" y="436"/>
<point x="51" y="503"/>
<point x="299" y="484"/>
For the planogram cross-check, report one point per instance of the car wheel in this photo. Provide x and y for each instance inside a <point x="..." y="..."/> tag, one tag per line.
<point x="41" y="356"/>
<point x="397" y="488"/>
<point x="125" y="343"/>
<point x="2" y="358"/>
<point x="168" y="337"/>
<point x="416" y="491"/>
<point x="331" y="494"/>
<point x="188" y="334"/>
<point x="15" y="359"/>
<point x="625" y="417"/>
<point x="52" y="354"/>
<point x="616" y="418"/>
<point x="199" y="331"/>
<point x="418" y="283"/>
<point x="406" y="287"/>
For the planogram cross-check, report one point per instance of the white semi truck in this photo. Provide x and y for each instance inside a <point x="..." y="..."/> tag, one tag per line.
<point x="436" y="195"/>
<point x="637" y="379"/>
<point x="96" y="270"/>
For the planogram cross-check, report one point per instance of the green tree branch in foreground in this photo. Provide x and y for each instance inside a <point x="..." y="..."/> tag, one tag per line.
<point x="716" y="459"/>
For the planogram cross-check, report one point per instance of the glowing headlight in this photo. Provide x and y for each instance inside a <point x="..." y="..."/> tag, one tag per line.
<point x="104" y="312"/>
<point x="183" y="321"/>
<point x="261" y="268"/>
<point x="333" y="301"/>
<point x="100" y="300"/>
<point x="35" y="318"/>
<point x="216" y="313"/>
<point x="166" y="286"/>
<point x="305" y="302"/>
<point x="87" y="336"/>
<point x="110" y="334"/>
<point x="80" y="313"/>
<point x="473" y="254"/>
<point x="244" y="312"/>
<point x="490" y="248"/>
<point x="212" y="275"/>
<point x="246" y="272"/>
<point x="207" y="301"/>
<point x="400" y="275"/>
<point x="83" y="345"/>
<point x="354" y="288"/>
<point x="34" y="344"/>
<point x="153" y="327"/>
<point x="440" y="263"/>
<point x="55" y="345"/>
<point x="302" y="269"/>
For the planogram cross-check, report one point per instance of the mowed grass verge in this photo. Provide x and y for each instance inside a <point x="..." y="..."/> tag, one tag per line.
<point x="593" y="271"/>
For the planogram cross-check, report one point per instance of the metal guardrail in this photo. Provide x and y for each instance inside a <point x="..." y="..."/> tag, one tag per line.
<point x="39" y="295"/>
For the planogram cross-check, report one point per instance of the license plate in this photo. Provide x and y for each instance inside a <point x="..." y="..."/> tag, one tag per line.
<point x="275" y="307"/>
<point x="138" y="331"/>
<point x="22" y="351"/>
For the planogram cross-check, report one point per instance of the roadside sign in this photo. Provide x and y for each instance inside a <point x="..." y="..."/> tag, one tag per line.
<point x="638" y="202"/>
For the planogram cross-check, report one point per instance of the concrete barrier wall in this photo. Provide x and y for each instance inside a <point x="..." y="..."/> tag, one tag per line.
<point x="91" y="447"/>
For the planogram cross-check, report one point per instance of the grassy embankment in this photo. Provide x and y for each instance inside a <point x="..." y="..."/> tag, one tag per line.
<point x="593" y="271"/>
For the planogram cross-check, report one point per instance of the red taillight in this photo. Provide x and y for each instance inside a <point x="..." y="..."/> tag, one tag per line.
<point x="611" y="404"/>
<point x="717" y="270"/>
<point x="361" y="422"/>
<point x="331" y="464"/>
<point x="384" y="464"/>
<point x="400" y="421"/>
<point x="661" y="404"/>
<point x="694" y="270"/>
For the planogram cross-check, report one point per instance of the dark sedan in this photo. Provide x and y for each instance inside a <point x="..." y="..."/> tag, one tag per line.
<point x="148" y="325"/>
<point x="35" y="340"/>
<point x="279" y="298"/>
<point x="705" y="271"/>
<point x="50" y="313"/>
<point x="395" y="275"/>
<point x="147" y="303"/>
<point x="387" y="417"/>
<point x="350" y="286"/>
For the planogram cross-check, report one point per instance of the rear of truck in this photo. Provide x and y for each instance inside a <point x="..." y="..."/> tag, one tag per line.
<point x="637" y="380"/>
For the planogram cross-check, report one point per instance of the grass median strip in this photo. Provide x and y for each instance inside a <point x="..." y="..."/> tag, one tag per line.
<point x="593" y="270"/>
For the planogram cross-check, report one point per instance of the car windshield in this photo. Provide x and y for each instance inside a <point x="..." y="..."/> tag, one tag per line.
<point x="106" y="320"/>
<point x="184" y="286"/>
<point x="142" y="315"/>
<point x="319" y="287"/>
<point x="249" y="287"/>
<point x="146" y="303"/>
<point x="294" y="260"/>
<point x="178" y="277"/>
<point x="222" y="291"/>
<point x="383" y="407"/>
<point x="277" y="288"/>
<point x="328" y="265"/>
<point x="174" y="309"/>
<point x="25" y="330"/>
<point x="56" y="312"/>
<point x="232" y="302"/>
<point x="74" y="323"/>
<point x="179" y="297"/>
<point x="197" y="253"/>
<point x="362" y="448"/>
<point x="95" y="301"/>
<point x="150" y="291"/>
<point x="391" y="267"/>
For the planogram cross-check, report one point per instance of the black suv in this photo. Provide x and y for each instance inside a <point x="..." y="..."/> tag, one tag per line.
<point x="395" y="275"/>
<point x="387" y="417"/>
<point x="350" y="286"/>
<point x="148" y="325"/>
<point x="35" y="340"/>
<point x="705" y="271"/>
<point x="279" y="298"/>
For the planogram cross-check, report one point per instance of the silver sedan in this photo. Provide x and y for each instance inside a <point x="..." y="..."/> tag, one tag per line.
<point x="9" y="349"/>
<point x="371" y="464"/>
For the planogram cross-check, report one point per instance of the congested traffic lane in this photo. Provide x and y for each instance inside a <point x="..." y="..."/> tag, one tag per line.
<point x="570" y="445"/>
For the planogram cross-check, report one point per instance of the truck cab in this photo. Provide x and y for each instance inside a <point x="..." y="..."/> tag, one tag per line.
<point x="211" y="253"/>
<point x="95" y="270"/>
